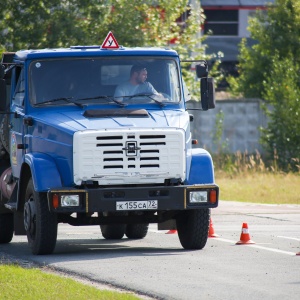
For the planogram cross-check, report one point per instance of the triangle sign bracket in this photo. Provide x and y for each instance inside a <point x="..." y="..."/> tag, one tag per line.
<point x="110" y="42"/>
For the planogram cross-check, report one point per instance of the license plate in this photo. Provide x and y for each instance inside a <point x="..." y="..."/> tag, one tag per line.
<point x="136" y="205"/>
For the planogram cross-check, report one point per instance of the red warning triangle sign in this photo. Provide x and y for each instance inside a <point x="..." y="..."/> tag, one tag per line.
<point x="110" y="42"/>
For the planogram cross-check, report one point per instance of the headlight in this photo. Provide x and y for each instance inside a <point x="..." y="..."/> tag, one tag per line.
<point x="198" y="197"/>
<point x="69" y="200"/>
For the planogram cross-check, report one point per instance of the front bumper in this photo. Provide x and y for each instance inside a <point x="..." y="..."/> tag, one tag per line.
<point x="93" y="200"/>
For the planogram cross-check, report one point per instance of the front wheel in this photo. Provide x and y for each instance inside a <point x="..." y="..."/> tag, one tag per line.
<point x="192" y="227"/>
<point x="40" y="224"/>
<point x="6" y="228"/>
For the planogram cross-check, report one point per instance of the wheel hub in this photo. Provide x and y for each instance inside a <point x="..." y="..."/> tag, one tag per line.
<point x="29" y="215"/>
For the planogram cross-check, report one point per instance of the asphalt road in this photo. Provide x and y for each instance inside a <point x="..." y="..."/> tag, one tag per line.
<point x="157" y="266"/>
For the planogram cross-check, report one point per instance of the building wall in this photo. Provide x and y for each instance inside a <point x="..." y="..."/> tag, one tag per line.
<point x="241" y="122"/>
<point x="243" y="22"/>
<point x="222" y="13"/>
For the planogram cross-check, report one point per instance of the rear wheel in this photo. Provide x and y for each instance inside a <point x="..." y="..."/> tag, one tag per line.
<point x="6" y="228"/>
<point x="40" y="224"/>
<point x="113" y="231"/>
<point x="192" y="227"/>
<point x="136" y="231"/>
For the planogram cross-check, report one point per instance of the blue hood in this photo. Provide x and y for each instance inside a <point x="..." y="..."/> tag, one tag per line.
<point x="76" y="120"/>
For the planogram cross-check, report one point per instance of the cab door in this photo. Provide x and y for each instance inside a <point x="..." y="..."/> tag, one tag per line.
<point x="16" y="125"/>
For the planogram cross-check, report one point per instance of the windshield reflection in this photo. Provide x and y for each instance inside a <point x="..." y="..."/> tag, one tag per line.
<point x="104" y="80"/>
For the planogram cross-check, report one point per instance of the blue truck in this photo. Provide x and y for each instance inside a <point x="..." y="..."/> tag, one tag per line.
<point x="72" y="152"/>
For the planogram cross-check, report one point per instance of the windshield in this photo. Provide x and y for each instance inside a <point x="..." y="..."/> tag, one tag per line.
<point x="104" y="80"/>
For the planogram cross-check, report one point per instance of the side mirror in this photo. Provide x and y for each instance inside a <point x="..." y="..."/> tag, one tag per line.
<point x="202" y="69"/>
<point x="6" y="65"/>
<point x="207" y="93"/>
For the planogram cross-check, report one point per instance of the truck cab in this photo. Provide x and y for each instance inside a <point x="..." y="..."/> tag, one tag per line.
<point x="76" y="151"/>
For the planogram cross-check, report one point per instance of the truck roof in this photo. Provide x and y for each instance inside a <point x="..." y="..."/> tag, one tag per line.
<point x="88" y="51"/>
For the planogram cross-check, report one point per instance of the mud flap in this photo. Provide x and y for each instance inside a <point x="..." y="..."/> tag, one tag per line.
<point x="19" y="223"/>
<point x="167" y="225"/>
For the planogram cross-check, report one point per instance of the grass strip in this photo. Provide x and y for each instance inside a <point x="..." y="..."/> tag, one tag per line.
<point x="265" y="188"/>
<point x="18" y="283"/>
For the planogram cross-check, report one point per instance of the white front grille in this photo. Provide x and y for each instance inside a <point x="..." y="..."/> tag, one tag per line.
<point x="129" y="156"/>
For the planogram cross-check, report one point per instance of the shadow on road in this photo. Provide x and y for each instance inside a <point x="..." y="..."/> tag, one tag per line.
<point x="88" y="249"/>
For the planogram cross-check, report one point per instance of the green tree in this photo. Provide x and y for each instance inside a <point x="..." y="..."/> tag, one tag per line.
<point x="270" y="70"/>
<point x="56" y="23"/>
<point x="60" y="23"/>
<point x="282" y="90"/>
<point x="50" y="23"/>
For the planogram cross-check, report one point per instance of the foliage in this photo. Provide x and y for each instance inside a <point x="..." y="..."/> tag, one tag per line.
<point x="270" y="70"/>
<point x="44" y="24"/>
<point x="222" y="146"/>
<point x="222" y="160"/>
<point x="37" y="24"/>
<point x="61" y="23"/>
<point x="282" y="90"/>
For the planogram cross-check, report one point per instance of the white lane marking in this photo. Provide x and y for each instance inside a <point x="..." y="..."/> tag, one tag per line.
<point x="289" y="238"/>
<point x="157" y="231"/>
<point x="257" y="246"/>
<point x="250" y="245"/>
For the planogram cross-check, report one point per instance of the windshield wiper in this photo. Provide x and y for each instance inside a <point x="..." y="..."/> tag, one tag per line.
<point x="108" y="98"/>
<point x="67" y="99"/>
<point x="150" y="96"/>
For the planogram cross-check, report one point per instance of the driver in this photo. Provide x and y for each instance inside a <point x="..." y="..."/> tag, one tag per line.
<point x="137" y="84"/>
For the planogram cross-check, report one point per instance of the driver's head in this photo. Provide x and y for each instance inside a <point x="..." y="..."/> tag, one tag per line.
<point x="138" y="74"/>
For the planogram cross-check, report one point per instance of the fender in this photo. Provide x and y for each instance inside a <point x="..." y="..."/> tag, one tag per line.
<point x="44" y="172"/>
<point x="202" y="170"/>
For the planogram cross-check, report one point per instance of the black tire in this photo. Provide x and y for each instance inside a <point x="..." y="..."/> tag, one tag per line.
<point x="192" y="228"/>
<point x="136" y="231"/>
<point x="40" y="224"/>
<point x="113" y="231"/>
<point x="6" y="228"/>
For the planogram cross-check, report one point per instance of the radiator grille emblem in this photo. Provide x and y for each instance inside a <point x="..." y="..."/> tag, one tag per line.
<point x="131" y="148"/>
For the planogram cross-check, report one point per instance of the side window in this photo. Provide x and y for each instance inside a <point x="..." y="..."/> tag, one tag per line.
<point x="186" y="92"/>
<point x="175" y="91"/>
<point x="18" y="98"/>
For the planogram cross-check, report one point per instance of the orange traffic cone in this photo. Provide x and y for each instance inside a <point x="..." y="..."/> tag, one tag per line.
<point x="211" y="231"/>
<point x="172" y="231"/>
<point x="245" y="236"/>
